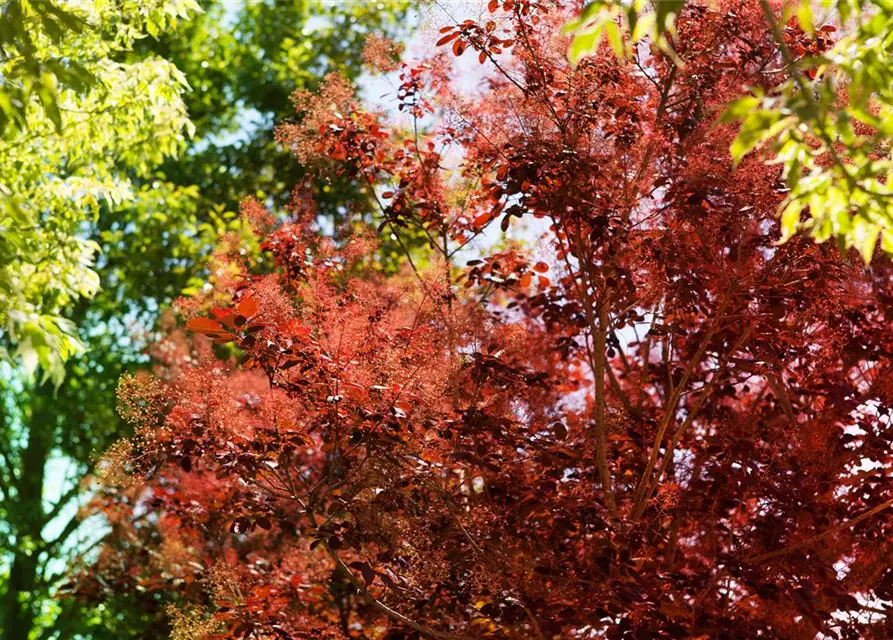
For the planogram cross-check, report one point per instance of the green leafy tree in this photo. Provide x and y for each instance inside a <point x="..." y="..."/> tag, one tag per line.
<point x="148" y="246"/>
<point x="244" y="64"/>
<point x="72" y="143"/>
<point x="82" y="121"/>
<point x="831" y="122"/>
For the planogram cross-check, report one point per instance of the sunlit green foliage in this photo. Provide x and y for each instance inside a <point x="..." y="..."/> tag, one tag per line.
<point x="609" y="18"/>
<point x="830" y="124"/>
<point x="77" y="133"/>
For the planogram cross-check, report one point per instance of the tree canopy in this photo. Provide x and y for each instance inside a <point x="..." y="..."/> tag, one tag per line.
<point x="654" y="420"/>
<point x="828" y="122"/>
<point x="147" y="243"/>
<point x="550" y="345"/>
<point x="78" y="122"/>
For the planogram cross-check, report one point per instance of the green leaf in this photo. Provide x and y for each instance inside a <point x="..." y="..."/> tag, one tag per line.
<point x="740" y="108"/>
<point x="49" y="99"/>
<point x="612" y="29"/>
<point x="665" y="11"/>
<point x="585" y="43"/>
<point x="865" y="235"/>
<point x="805" y="17"/>
<point x="790" y="219"/>
<point x="757" y="127"/>
<point x="589" y="12"/>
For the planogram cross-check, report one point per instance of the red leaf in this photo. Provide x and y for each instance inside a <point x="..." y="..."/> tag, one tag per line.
<point x="204" y="325"/>
<point x="481" y="220"/>
<point x="228" y="320"/>
<point x="447" y="38"/>
<point x="403" y="406"/>
<point x="248" y="307"/>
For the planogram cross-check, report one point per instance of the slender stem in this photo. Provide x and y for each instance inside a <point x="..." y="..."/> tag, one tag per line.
<point x="668" y="456"/>
<point x="818" y="538"/>
<point x="385" y="609"/>
<point x="615" y="386"/>
<point x="672" y="402"/>
<point x="601" y="427"/>
<point x="599" y="332"/>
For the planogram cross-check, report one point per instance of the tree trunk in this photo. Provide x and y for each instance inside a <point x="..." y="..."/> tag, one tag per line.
<point x="27" y="518"/>
<point x="19" y="605"/>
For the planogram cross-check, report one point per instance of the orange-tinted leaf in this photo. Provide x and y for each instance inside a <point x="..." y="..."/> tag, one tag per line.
<point x="229" y="320"/>
<point x="481" y="220"/>
<point x="204" y="325"/>
<point x="248" y="307"/>
<point x="447" y="38"/>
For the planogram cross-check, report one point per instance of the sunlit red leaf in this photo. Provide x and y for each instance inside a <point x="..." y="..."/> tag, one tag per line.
<point x="204" y="325"/>
<point x="247" y="307"/>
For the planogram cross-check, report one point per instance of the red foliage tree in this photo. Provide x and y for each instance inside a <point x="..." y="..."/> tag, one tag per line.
<point x="658" y="424"/>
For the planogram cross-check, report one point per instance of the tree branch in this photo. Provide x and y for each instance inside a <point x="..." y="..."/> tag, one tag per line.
<point x="601" y="427"/>
<point x="672" y="402"/>
<point x="69" y="528"/>
<point x="668" y="456"/>
<point x="385" y="609"/>
<point x="818" y="538"/>
<point x="64" y="499"/>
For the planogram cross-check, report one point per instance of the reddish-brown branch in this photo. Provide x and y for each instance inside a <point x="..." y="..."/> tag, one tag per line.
<point x="388" y="611"/>
<point x="692" y="414"/>
<point x="670" y="408"/>
<point x="770" y="555"/>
